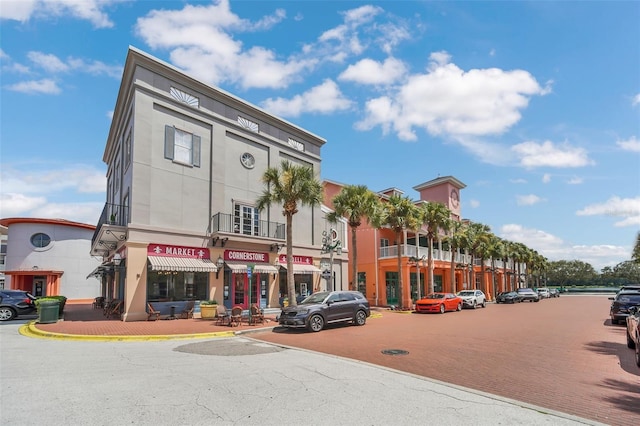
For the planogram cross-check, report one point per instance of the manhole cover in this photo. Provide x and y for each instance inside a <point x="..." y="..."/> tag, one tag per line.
<point x="395" y="352"/>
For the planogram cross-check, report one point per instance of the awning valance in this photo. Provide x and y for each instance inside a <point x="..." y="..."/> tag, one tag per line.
<point x="99" y="271"/>
<point x="303" y="269"/>
<point x="186" y="264"/>
<point x="242" y="268"/>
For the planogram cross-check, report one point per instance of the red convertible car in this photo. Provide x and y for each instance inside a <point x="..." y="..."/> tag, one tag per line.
<point x="439" y="302"/>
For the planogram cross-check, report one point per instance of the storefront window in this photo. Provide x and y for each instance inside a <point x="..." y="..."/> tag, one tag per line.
<point x="167" y="286"/>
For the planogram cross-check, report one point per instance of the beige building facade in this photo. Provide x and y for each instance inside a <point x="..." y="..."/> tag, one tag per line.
<point x="185" y="164"/>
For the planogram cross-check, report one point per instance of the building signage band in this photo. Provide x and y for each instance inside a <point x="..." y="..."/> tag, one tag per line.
<point x="178" y="251"/>
<point x="298" y="260"/>
<point x="246" y="256"/>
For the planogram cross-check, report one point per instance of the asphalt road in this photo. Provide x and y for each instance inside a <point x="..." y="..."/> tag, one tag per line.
<point x="561" y="353"/>
<point x="228" y="381"/>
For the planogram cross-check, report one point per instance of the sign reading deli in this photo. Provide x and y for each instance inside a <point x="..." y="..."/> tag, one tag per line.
<point x="298" y="260"/>
<point x="178" y="251"/>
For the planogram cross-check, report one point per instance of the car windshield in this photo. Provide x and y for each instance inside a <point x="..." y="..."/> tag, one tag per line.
<point x="315" y="298"/>
<point x="629" y="298"/>
<point x="435" y="296"/>
<point x="466" y="293"/>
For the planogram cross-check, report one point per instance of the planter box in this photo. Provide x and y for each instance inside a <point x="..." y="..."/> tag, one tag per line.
<point x="208" y="311"/>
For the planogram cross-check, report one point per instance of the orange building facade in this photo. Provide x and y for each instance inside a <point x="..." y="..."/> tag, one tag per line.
<point x="377" y="263"/>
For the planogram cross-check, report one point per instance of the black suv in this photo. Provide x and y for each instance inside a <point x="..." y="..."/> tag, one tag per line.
<point x="14" y="303"/>
<point x="622" y="301"/>
<point x="326" y="307"/>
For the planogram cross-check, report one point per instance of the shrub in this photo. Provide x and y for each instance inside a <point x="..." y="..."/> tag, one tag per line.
<point x="209" y="302"/>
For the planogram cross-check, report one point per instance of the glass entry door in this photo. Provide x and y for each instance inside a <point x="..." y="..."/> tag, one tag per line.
<point x="391" y="280"/>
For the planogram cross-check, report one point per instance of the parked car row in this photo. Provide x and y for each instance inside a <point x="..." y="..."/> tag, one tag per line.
<point x="527" y="295"/>
<point x="14" y="303"/>
<point x="625" y="309"/>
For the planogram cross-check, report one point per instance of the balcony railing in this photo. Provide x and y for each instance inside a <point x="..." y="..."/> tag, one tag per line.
<point x="112" y="214"/>
<point x="227" y="223"/>
<point x="441" y="255"/>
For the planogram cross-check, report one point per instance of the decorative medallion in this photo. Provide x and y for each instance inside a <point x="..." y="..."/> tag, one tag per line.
<point x="297" y="145"/>
<point x="247" y="160"/>
<point x="248" y="124"/>
<point x="184" y="97"/>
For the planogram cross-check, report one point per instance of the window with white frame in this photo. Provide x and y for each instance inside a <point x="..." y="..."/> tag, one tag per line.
<point x="181" y="147"/>
<point x="246" y="220"/>
<point x="127" y="151"/>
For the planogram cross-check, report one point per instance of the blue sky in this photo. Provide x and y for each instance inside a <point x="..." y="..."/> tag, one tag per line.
<point x="535" y="106"/>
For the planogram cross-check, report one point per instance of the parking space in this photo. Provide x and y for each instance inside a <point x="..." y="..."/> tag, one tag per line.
<point x="561" y="353"/>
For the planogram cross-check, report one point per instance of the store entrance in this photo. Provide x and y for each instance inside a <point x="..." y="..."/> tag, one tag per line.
<point x="247" y="291"/>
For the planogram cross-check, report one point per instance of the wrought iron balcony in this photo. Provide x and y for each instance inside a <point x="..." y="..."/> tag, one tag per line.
<point x="109" y="229"/>
<point x="223" y="223"/>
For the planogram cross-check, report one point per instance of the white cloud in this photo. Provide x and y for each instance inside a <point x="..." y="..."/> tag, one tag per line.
<point x="448" y="100"/>
<point x="575" y="181"/>
<point x="12" y="205"/>
<point x="44" y="86"/>
<point x="528" y="200"/>
<point x="474" y="204"/>
<point x="323" y="99"/>
<point x="519" y="180"/>
<point x="48" y="62"/>
<point x="631" y="144"/>
<point x="547" y="154"/>
<point x="89" y="10"/>
<point x="368" y="71"/>
<point x="636" y="100"/>
<point x="546" y="178"/>
<point x="554" y="248"/>
<point x="626" y="208"/>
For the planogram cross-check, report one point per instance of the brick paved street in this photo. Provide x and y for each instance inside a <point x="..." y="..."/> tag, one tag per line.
<point x="561" y="353"/>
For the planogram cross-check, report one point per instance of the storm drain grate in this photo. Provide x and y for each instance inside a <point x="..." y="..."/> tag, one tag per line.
<point x="395" y="352"/>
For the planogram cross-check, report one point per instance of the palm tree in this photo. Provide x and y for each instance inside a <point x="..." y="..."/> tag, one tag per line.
<point x="289" y="186"/>
<point x="436" y="217"/>
<point x="456" y="239"/>
<point x="477" y="235"/>
<point x="636" y="249"/>
<point x="400" y="214"/>
<point x="496" y="251"/>
<point x="353" y="202"/>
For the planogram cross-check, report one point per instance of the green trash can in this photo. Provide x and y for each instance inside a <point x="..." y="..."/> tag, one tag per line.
<point x="48" y="312"/>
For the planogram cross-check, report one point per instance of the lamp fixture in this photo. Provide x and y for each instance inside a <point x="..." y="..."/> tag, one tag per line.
<point x="276" y="247"/>
<point x="117" y="259"/>
<point x="219" y="264"/>
<point x="223" y="241"/>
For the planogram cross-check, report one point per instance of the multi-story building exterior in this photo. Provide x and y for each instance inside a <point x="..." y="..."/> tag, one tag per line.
<point x="377" y="265"/>
<point x="185" y="165"/>
<point x="50" y="257"/>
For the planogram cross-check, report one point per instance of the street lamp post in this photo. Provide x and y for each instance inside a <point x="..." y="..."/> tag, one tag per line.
<point x="331" y="244"/>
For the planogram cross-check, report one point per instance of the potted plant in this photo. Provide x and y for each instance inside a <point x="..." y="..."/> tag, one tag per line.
<point x="208" y="309"/>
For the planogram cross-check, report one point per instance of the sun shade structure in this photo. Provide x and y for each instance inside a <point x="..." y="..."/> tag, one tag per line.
<point x="164" y="263"/>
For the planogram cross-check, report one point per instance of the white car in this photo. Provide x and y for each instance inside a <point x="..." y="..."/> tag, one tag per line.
<point x="473" y="298"/>
<point x="544" y="293"/>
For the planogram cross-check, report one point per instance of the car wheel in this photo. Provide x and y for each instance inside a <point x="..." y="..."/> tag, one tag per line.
<point x="638" y="354"/>
<point x="316" y="323"/>
<point x="484" y="304"/>
<point x="459" y="308"/>
<point x="442" y="308"/>
<point x="7" y="314"/>
<point x="630" y="343"/>
<point x="614" y="321"/>
<point x="361" y="318"/>
<point x="473" y="305"/>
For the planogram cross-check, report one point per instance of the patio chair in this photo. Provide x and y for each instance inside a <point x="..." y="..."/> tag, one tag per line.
<point x="187" y="312"/>
<point x="257" y="314"/>
<point x="114" y="309"/>
<point x="236" y="316"/>
<point x="153" y="314"/>
<point x="98" y="303"/>
<point x="222" y="316"/>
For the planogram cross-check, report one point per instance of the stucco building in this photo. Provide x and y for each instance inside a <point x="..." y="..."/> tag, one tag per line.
<point x="185" y="165"/>
<point x="50" y="257"/>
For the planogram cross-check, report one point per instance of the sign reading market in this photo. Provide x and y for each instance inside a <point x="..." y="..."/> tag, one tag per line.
<point x="178" y="251"/>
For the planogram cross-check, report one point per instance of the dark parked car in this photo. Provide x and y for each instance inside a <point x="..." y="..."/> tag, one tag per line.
<point x="508" y="297"/>
<point x="528" y="294"/>
<point x="633" y="331"/>
<point x="326" y="307"/>
<point x="622" y="301"/>
<point x="14" y="303"/>
<point x="554" y="292"/>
